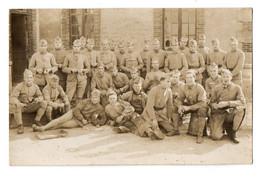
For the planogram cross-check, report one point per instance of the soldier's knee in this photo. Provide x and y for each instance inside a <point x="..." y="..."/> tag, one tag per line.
<point x="216" y="136"/>
<point x="202" y="112"/>
<point x="44" y="104"/>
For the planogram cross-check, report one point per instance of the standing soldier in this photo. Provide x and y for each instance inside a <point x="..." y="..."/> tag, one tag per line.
<point x="217" y="56"/>
<point x="157" y="53"/>
<point x="102" y="81"/>
<point x="195" y="97"/>
<point x="145" y="55"/>
<point x="76" y="66"/>
<point x="55" y="97"/>
<point x="235" y="60"/>
<point x="228" y="108"/>
<point x="204" y="51"/>
<point x="120" y="81"/>
<point x="158" y="110"/>
<point x="195" y="61"/>
<point x="43" y="65"/>
<point x="93" y="59"/>
<point x="60" y="54"/>
<point x="107" y="57"/>
<point x="121" y="54"/>
<point x="153" y="77"/>
<point x="183" y="45"/>
<point x="134" y="76"/>
<point x="132" y="59"/>
<point x="176" y="60"/>
<point x="27" y="97"/>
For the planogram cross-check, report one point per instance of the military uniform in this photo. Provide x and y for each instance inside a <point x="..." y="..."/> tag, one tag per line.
<point x="235" y="63"/>
<point x="27" y="94"/>
<point x="210" y="84"/>
<point x="204" y="51"/>
<point x="152" y="79"/>
<point x="229" y="117"/>
<point x="176" y="61"/>
<point x="108" y="59"/>
<point x="53" y="96"/>
<point x="129" y="61"/>
<point x="121" y="83"/>
<point x="59" y="55"/>
<point x="161" y="55"/>
<point x="42" y="61"/>
<point x="217" y="57"/>
<point x="196" y="62"/>
<point x="102" y="83"/>
<point x="145" y="55"/>
<point x="119" y="58"/>
<point x="76" y="82"/>
<point x="195" y="97"/>
<point x="159" y="107"/>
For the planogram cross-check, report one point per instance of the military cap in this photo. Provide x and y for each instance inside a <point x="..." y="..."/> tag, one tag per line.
<point x="213" y="41"/>
<point x="55" y="78"/>
<point x="176" y="72"/>
<point x="202" y="36"/>
<point x="192" y="42"/>
<point x="174" y="40"/>
<point x="226" y="71"/>
<point x="191" y="71"/>
<point x="184" y="38"/>
<point x="90" y="41"/>
<point x="57" y="39"/>
<point x="213" y="66"/>
<point x="77" y="42"/>
<point x="156" y="41"/>
<point x="234" y="40"/>
<point x="27" y="72"/>
<point x="110" y="92"/>
<point x="95" y="92"/>
<point x="43" y="42"/>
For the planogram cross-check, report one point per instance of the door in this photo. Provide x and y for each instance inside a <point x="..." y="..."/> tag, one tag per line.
<point x="18" y="42"/>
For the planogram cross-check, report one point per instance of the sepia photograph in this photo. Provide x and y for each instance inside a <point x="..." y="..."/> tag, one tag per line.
<point x="130" y="86"/>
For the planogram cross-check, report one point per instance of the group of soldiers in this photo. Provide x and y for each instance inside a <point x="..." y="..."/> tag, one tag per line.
<point x="146" y="93"/>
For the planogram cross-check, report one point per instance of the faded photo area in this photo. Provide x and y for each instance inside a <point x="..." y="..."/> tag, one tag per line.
<point x="168" y="86"/>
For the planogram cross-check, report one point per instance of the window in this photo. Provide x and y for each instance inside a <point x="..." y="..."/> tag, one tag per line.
<point x="179" y="22"/>
<point x="81" y="24"/>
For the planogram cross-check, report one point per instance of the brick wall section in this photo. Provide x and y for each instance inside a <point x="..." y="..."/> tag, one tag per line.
<point x="32" y="27"/>
<point x="65" y="28"/>
<point x="158" y="24"/>
<point x="200" y="23"/>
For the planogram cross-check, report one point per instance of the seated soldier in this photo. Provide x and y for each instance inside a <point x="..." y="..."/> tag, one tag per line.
<point x="176" y="87"/>
<point x="176" y="60"/>
<point x="134" y="77"/>
<point x="43" y="65"/>
<point x="120" y="81"/>
<point x="26" y="98"/>
<point x="102" y="81"/>
<point x="85" y="112"/>
<point x="158" y="110"/>
<point x="195" y="61"/>
<point x="131" y="59"/>
<point x="152" y="78"/>
<point x="145" y="55"/>
<point x="137" y="98"/>
<point x="213" y="80"/>
<point x="195" y="97"/>
<point x="123" y="117"/>
<point x="55" y="97"/>
<point x="227" y="108"/>
<point x="60" y="53"/>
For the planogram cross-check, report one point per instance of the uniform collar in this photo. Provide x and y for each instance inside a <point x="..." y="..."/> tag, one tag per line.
<point x="229" y="86"/>
<point x="191" y="87"/>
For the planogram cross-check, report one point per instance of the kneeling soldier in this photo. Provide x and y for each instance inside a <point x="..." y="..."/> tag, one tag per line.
<point x="195" y="97"/>
<point x="52" y="93"/>
<point x="27" y="97"/>
<point x="228" y="108"/>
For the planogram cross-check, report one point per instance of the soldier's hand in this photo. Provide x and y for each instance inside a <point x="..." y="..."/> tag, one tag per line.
<point x="59" y="65"/>
<point x="215" y="106"/>
<point x="180" y="110"/>
<point x="84" y="121"/>
<point x="39" y="70"/>
<point x="186" y="108"/>
<point x="223" y="104"/>
<point x="155" y="125"/>
<point x="80" y="71"/>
